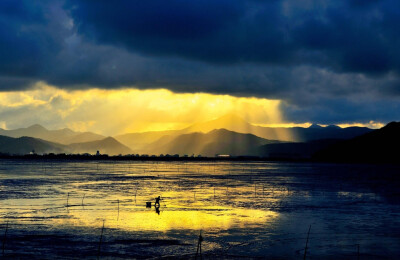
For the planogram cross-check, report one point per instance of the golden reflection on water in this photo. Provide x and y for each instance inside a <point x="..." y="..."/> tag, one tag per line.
<point x="149" y="220"/>
<point x="198" y="213"/>
<point x="189" y="203"/>
<point x="176" y="212"/>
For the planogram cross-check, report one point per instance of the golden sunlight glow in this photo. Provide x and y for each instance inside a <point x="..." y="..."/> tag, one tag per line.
<point x="127" y="110"/>
<point x="112" y="112"/>
<point x="286" y="125"/>
<point x="371" y="124"/>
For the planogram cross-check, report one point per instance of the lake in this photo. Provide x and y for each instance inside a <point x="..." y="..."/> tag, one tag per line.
<point x="57" y="209"/>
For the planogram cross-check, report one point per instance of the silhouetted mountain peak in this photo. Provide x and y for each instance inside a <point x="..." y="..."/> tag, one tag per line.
<point x="333" y="127"/>
<point x="228" y="121"/>
<point x="67" y="130"/>
<point x="36" y="127"/>
<point x="315" y="126"/>
<point x="221" y="130"/>
<point x="109" y="140"/>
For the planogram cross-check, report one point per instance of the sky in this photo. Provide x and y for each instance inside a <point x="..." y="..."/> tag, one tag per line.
<point x="79" y="63"/>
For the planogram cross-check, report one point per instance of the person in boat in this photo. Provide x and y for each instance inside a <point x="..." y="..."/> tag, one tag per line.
<point x="157" y="204"/>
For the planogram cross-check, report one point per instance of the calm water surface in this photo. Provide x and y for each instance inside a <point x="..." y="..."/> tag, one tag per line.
<point x="56" y="210"/>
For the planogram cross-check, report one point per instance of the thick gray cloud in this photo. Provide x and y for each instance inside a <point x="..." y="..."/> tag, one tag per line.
<point x="342" y="35"/>
<point x="322" y="58"/>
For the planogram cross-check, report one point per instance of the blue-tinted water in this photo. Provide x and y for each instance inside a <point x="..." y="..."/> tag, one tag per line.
<point x="55" y="210"/>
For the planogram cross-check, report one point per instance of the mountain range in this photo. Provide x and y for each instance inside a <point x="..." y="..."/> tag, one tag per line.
<point x="229" y="134"/>
<point x="140" y="142"/>
<point x="291" y="134"/>
<point x="137" y="141"/>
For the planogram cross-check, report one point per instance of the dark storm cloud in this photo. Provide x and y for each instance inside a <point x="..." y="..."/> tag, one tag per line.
<point x="341" y="110"/>
<point x="213" y="31"/>
<point x="20" y="27"/>
<point x="321" y="56"/>
<point x="342" y="36"/>
<point x="357" y="36"/>
<point x="30" y="38"/>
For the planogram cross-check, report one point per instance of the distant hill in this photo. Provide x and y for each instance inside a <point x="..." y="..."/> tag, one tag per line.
<point x="108" y="146"/>
<point x="25" y="145"/>
<point x="294" y="134"/>
<point x="220" y="141"/>
<point x="138" y="142"/>
<point x="301" y="134"/>
<point x="377" y="146"/>
<point x="63" y="136"/>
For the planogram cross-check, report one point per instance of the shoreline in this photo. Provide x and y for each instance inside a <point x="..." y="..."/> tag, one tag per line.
<point x="143" y="158"/>
<point x="80" y="157"/>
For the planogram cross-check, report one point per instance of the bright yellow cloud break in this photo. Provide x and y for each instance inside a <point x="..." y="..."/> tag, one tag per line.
<point x="112" y="112"/>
